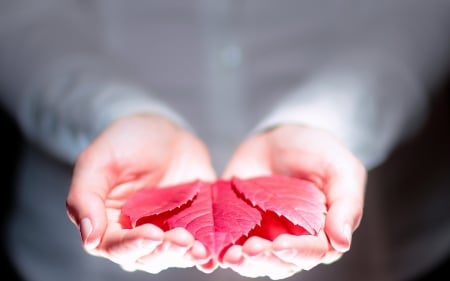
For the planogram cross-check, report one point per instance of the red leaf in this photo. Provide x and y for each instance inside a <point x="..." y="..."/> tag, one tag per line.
<point x="224" y="213"/>
<point x="299" y="201"/>
<point x="155" y="201"/>
<point x="218" y="217"/>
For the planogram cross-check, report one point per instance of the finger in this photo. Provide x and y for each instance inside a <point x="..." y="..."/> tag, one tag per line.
<point x="202" y="258"/>
<point x="129" y="267"/>
<point x="201" y="171"/>
<point x="191" y="161"/>
<point x="331" y="256"/>
<point x="174" y="251"/>
<point x="243" y="169"/>
<point x="88" y="186"/>
<point x="255" y="246"/>
<point x="233" y="256"/>
<point x="124" y="246"/>
<point x="258" y="257"/>
<point x="130" y="251"/>
<point x="345" y="196"/>
<point x="200" y="254"/>
<point x="255" y="259"/>
<point x="266" y="264"/>
<point x="179" y="236"/>
<point x="305" y="251"/>
<point x="248" y="160"/>
<point x="165" y="256"/>
<point x="189" y="171"/>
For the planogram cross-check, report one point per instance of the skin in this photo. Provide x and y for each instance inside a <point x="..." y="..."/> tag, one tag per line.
<point x="126" y="157"/>
<point x="311" y="154"/>
<point x="129" y="156"/>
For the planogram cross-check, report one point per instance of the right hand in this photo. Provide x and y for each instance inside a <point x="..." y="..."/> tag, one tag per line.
<point x="311" y="154"/>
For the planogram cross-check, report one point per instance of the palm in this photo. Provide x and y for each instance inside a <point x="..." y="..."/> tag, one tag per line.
<point x="132" y="154"/>
<point x="314" y="155"/>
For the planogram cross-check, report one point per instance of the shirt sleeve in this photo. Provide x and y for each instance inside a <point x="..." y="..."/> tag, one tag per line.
<point x="374" y="93"/>
<point x="59" y="81"/>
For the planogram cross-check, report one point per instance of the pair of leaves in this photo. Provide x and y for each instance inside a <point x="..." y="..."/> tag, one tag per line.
<point x="226" y="212"/>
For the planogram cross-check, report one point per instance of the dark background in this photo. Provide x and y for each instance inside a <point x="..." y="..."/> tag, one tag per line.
<point x="9" y="150"/>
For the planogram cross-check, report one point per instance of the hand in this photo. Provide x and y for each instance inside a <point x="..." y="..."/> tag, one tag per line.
<point x="311" y="154"/>
<point x="133" y="153"/>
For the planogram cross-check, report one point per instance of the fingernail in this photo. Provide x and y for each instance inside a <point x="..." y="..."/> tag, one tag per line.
<point x="85" y="229"/>
<point x="89" y="245"/>
<point x="348" y="234"/>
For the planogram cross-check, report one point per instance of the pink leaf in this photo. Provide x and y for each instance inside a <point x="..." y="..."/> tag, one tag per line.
<point x="155" y="201"/>
<point x="224" y="213"/>
<point x="300" y="201"/>
<point x="218" y="217"/>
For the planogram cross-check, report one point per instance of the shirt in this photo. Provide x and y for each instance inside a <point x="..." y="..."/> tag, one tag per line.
<point x="361" y="70"/>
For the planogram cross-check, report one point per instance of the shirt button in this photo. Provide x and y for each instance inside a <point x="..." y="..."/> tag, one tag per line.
<point x="230" y="56"/>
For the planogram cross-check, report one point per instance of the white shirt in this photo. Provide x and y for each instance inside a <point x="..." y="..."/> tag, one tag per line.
<point x="223" y="69"/>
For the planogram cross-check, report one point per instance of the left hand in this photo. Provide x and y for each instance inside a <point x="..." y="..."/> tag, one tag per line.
<point x="311" y="154"/>
<point x="132" y="153"/>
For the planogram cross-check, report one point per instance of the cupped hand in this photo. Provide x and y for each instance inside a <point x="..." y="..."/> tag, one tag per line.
<point x="136" y="152"/>
<point x="311" y="154"/>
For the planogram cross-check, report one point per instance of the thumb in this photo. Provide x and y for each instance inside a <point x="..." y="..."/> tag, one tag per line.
<point x="250" y="159"/>
<point x="342" y="220"/>
<point x="345" y="200"/>
<point x="246" y="168"/>
<point x="85" y="205"/>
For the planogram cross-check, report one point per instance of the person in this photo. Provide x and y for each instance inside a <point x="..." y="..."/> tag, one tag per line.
<point x="114" y="96"/>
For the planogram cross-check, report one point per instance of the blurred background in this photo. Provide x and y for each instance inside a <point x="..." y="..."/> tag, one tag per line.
<point x="420" y="161"/>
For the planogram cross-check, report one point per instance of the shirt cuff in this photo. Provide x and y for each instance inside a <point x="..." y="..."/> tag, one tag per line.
<point x="368" y="109"/>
